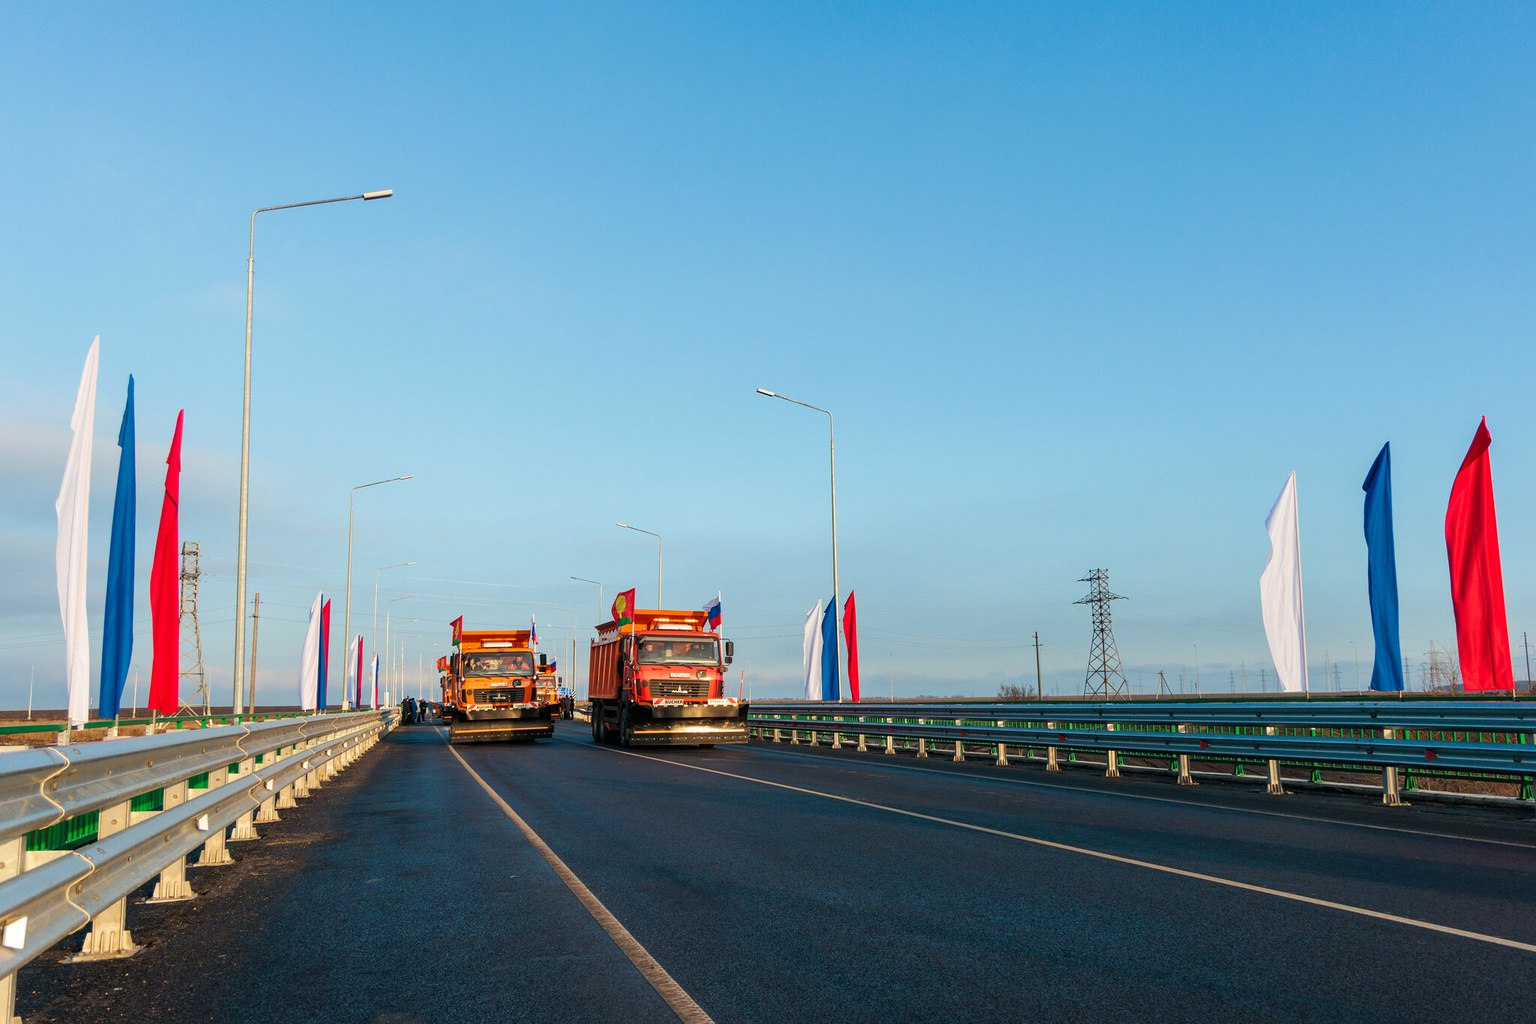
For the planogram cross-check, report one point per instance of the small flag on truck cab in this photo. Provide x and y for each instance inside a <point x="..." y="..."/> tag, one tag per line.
<point x="533" y="631"/>
<point x="458" y="628"/>
<point x="712" y="609"/>
<point x="624" y="607"/>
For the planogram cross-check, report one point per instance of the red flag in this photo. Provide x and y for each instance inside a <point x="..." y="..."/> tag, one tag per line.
<point x="1477" y="579"/>
<point x="458" y="628"/>
<point x="359" y="701"/>
<point x="325" y="655"/>
<point x="624" y="607"/>
<point x="851" y="635"/>
<point x="164" y="599"/>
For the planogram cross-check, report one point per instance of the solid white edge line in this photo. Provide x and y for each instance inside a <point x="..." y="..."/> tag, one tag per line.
<point x="1145" y="798"/>
<point x="680" y="1002"/>
<point x="1230" y="883"/>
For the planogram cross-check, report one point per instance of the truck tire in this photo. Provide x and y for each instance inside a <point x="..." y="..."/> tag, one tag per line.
<point x="624" y="725"/>
<point x="597" y="721"/>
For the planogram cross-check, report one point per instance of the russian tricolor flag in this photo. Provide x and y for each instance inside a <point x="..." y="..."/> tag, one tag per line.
<point x="712" y="610"/>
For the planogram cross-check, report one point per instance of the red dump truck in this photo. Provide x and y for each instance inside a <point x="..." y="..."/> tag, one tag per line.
<point x="490" y="689"/>
<point x="659" y="680"/>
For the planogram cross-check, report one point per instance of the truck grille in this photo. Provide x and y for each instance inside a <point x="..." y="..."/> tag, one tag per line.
<point x="503" y="695"/>
<point x="698" y="688"/>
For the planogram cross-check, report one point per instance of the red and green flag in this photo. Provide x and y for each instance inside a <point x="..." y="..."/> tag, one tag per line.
<point x="624" y="607"/>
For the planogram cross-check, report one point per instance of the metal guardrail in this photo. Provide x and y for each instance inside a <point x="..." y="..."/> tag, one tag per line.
<point x="207" y="781"/>
<point x="1437" y="737"/>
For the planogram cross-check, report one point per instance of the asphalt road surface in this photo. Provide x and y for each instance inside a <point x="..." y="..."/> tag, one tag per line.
<point x="565" y="881"/>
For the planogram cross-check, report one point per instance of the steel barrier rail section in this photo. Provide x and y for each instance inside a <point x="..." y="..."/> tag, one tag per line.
<point x="1469" y="716"/>
<point x="72" y="780"/>
<point x="1511" y="758"/>
<point x="42" y="903"/>
<point x="1380" y="744"/>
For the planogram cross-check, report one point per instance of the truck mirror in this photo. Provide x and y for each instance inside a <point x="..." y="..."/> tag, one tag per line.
<point x="730" y="651"/>
<point x="543" y="661"/>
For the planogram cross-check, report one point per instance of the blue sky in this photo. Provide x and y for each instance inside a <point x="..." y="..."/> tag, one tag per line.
<point x="1081" y="284"/>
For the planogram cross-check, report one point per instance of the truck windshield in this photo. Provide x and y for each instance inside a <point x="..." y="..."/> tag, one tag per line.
<point x="659" y="651"/>
<point x="517" y="663"/>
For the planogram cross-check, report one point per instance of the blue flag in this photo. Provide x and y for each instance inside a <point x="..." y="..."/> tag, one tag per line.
<point x="1381" y="555"/>
<point x="117" y="623"/>
<point x="829" y="688"/>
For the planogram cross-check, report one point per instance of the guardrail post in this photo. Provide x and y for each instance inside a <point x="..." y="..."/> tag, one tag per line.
<point x="215" y="853"/>
<point x="11" y="853"/>
<point x="1391" y="795"/>
<point x="862" y="748"/>
<point x="1002" y="748"/>
<point x="1051" y="764"/>
<point x="777" y="738"/>
<point x="890" y="739"/>
<point x="1185" y="779"/>
<point x="1276" y="788"/>
<point x="837" y="739"/>
<point x="922" y="744"/>
<point x="959" y="745"/>
<point x="267" y="813"/>
<point x="245" y="825"/>
<point x="1112" y="769"/>
<point x="794" y="735"/>
<point x="109" y="938"/>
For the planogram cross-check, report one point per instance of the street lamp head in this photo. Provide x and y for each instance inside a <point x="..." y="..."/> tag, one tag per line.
<point x="381" y="194"/>
<point x="765" y="391"/>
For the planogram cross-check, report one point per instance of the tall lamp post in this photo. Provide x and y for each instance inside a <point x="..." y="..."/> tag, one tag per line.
<point x="832" y="456"/>
<point x="346" y="629"/>
<point x="374" y="636"/>
<point x="395" y="676"/>
<point x="637" y="529"/>
<point x="245" y="437"/>
<point x="599" y="586"/>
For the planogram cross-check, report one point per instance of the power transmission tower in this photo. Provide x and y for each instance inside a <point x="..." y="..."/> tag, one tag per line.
<point x="1105" y="679"/>
<point x="191" y="656"/>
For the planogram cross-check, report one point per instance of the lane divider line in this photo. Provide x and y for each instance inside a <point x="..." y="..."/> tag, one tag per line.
<point x="680" y="1002"/>
<point x="1147" y="798"/>
<point x="1231" y="883"/>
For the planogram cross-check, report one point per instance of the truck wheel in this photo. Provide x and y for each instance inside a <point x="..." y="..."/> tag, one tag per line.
<point x="624" y="725"/>
<point x="597" y="721"/>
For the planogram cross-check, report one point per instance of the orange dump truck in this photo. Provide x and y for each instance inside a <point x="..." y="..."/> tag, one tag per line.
<point x="659" y="680"/>
<point x="549" y="687"/>
<point x="490" y="690"/>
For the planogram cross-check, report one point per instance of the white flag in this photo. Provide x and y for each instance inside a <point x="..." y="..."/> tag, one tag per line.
<point x="73" y="506"/>
<point x="375" y="704"/>
<point x="1280" y="592"/>
<point x="813" y="651"/>
<point x="309" y="667"/>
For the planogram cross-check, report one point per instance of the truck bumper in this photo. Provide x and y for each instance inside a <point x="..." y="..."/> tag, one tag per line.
<point x="491" y="724"/>
<point x="682" y="725"/>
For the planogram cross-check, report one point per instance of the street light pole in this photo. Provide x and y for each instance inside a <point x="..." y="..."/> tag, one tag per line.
<point x="245" y="437"/>
<point x="637" y="529"/>
<point x="346" y="630"/>
<point x="599" y="586"/>
<point x="389" y="664"/>
<point x="832" y="463"/>
<point x="373" y="637"/>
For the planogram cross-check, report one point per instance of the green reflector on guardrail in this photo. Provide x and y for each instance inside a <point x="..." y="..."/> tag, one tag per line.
<point x="154" y="800"/>
<point x="198" y="781"/>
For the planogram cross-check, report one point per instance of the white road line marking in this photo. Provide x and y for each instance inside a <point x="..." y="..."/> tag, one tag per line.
<point x="1230" y="883"/>
<point x="665" y="985"/>
<point x="1031" y="783"/>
